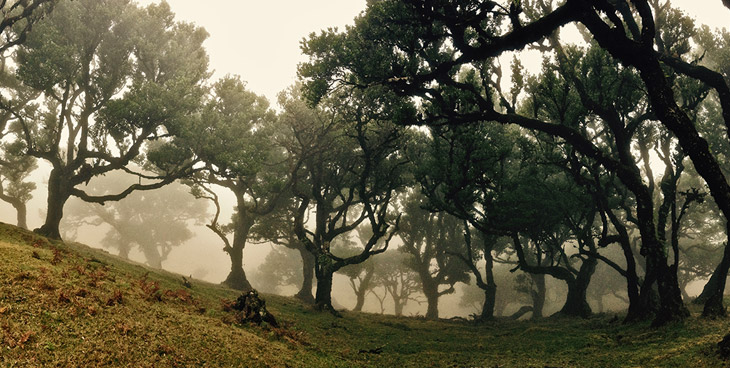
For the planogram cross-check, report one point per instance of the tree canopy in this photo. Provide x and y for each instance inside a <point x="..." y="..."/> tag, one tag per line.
<point x="421" y="49"/>
<point x="111" y="77"/>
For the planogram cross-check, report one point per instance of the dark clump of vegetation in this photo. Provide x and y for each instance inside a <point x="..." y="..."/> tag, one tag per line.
<point x="252" y="308"/>
<point x="724" y="346"/>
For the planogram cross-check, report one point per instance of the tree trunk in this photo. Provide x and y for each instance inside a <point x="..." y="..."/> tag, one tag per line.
<point x="710" y="285"/>
<point x="323" y="297"/>
<point x="360" y="297"/>
<point x="398" y="307"/>
<point x="237" y="277"/>
<point x="124" y="250"/>
<point x="635" y="312"/>
<point x="58" y="194"/>
<point x="521" y="312"/>
<point x="363" y="288"/>
<point x="432" y="299"/>
<point x="685" y="296"/>
<point x="714" y="290"/>
<point x="664" y="105"/>
<point x="670" y="304"/>
<point x="22" y="211"/>
<point x="649" y="296"/>
<point x="538" y="295"/>
<point x="671" y="307"/>
<point x="499" y="306"/>
<point x="490" y="291"/>
<point x="20" y="207"/>
<point x="152" y="254"/>
<point x="576" y="303"/>
<point x="305" y="292"/>
<point x="489" y="302"/>
<point x="599" y="304"/>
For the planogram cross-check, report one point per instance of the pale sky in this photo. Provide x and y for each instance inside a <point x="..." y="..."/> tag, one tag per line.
<point x="259" y="40"/>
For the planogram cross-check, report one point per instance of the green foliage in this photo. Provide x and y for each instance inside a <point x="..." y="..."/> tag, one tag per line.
<point x="430" y="239"/>
<point x="351" y="157"/>
<point x="110" y="78"/>
<point x="15" y="169"/>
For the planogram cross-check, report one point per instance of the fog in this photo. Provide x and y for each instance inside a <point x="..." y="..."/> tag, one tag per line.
<point x="203" y="258"/>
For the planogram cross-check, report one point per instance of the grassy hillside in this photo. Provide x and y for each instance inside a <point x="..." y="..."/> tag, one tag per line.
<point x="69" y="305"/>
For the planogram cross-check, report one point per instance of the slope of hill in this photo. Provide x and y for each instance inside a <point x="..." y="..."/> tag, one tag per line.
<point x="70" y="305"/>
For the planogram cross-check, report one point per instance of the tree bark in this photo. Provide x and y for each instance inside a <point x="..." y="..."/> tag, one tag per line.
<point x="363" y="288"/>
<point x="124" y="251"/>
<point x="305" y="292"/>
<point x="642" y="56"/>
<point x="711" y="285"/>
<point x="490" y="294"/>
<point x="670" y="307"/>
<point x="538" y="295"/>
<point x="20" y="207"/>
<point x="635" y="311"/>
<point x="432" y="300"/>
<point x="490" y="287"/>
<point x="152" y="254"/>
<point x="599" y="304"/>
<point x="360" y="300"/>
<point x="576" y="303"/>
<point x="716" y="286"/>
<point x="22" y="215"/>
<point x="398" y="308"/>
<point x="521" y="312"/>
<point x="58" y="194"/>
<point x="237" y="277"/>
<point x="323" y="297"/>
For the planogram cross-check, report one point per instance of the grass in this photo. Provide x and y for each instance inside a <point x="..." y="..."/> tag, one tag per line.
<point x="70" y="305"/>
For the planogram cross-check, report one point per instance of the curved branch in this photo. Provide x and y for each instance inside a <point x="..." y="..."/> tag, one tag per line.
<point x="705" y="75"/>
<point x="119" y="196"/>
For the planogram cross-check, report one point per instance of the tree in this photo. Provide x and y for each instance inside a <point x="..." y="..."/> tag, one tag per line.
<point x="112" y="78"/>
<point x="18" y="18"/>
<point x="429" y="239"/>
<point x="425" y="46"/>
<point x="352" y="166"/>
<point x="14" y="189"/>
<point x="15" y="166"/>
<point x="483" y="174"/>
<point x="394" y="275"/>
<point x="462" y="173"/>
<point x="233" y="137"/>
<point x="548" y="215"/>
<point x="278" y="227"/>
<point x="281" y="267"/>
<point x="360" y="274"/>
<point x="154" y="222"/>
<point x="584" y="89"/>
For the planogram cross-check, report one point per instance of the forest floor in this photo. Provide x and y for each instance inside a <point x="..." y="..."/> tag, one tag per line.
<point x="69" y="305"/>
